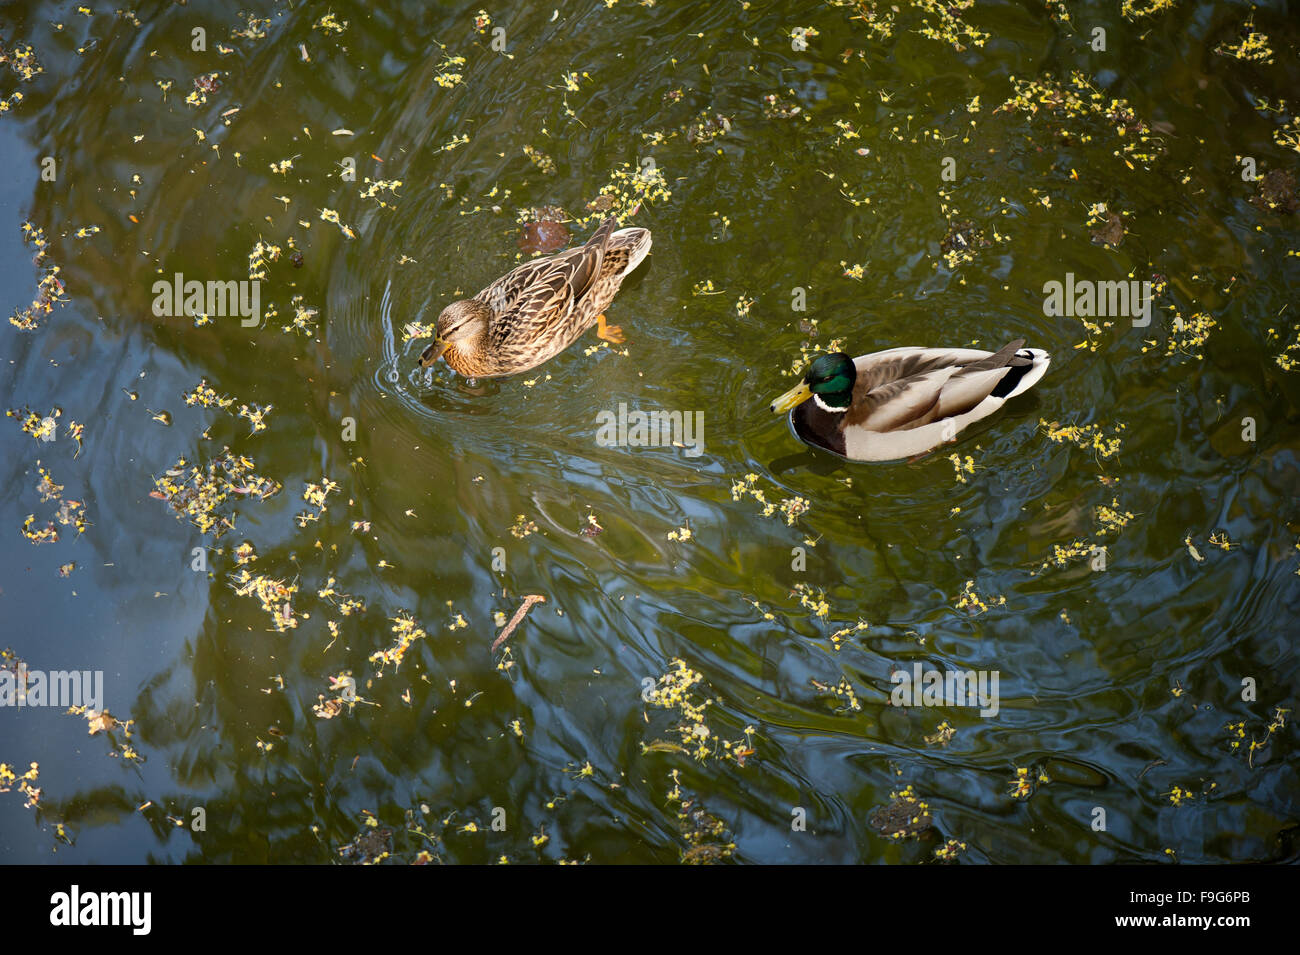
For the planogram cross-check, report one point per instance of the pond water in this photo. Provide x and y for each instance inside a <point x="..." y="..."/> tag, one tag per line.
<point x="299" y="630"/>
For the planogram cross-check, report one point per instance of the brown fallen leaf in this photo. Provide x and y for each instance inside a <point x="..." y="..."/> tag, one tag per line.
<point x="1112" y="233"/>
<point x="543" y="236"/>
<point x="1277" y="192"/>
<point x="100" y="720"/>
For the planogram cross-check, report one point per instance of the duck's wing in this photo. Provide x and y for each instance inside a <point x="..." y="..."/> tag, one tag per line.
<point x="908" y="387"/>
<point x="544" y="291"/>
<point x="587" y="268"/>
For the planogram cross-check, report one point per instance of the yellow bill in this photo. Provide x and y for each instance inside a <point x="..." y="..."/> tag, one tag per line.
<point x="792" y="398"/>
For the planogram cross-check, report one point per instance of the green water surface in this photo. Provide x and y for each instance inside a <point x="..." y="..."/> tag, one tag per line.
<point x="1118" y="683"/>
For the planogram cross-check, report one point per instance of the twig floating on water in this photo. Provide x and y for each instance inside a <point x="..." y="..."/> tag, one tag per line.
<point x="514" y="621"/>
<point x="1152" y="765"/>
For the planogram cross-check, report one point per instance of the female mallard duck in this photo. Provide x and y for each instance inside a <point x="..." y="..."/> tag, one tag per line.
<point x="533" y="313"/>
<point x="905" y="401"/>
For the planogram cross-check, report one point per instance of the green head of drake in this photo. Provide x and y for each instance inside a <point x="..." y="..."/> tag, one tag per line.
<point x="829" y="379"/>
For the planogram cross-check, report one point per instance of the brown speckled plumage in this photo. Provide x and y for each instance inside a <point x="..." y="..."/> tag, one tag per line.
<point x="537" y="310"/>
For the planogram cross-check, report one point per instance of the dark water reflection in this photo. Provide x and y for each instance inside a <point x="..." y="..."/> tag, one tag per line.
<point x="1117" y="685"/>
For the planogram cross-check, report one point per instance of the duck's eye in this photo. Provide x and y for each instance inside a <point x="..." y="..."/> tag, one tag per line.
<point x="832" y="385"/>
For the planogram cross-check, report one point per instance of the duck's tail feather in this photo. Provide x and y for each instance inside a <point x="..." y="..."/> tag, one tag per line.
<point x="1030" y="365"/>
<point x="635" y="242"/>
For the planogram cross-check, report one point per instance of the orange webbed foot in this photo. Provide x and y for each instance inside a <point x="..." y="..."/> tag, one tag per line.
<point x="607" y="332"/>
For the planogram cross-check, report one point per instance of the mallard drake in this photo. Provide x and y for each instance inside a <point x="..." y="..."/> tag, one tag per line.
<point x="905" y="401"/>
<point x="534" y="312"/>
